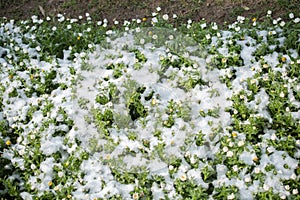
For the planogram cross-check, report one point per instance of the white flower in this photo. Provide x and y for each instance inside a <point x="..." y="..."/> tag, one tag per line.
<point x="215" y="26"/>
<point x="282" y="196"/>
<point x="158" y="9"/>
<point x="138" y="21"/>
<point x="135" y="195"/>
<point x="187" y="154"/>
<point x="207" y="36"/>
<point x="235" y="168"/>
<point x="274" y="21"/>
<point x="287" y="187"/>
<point x="295" y="191"/>
<point x="73" y="21"/>
<point x="116" y="22"/>
<point x="297" y="20"/>
<point x="203" y="25"/>
<point x="61" y="19"/>
<point x="154" y="37"/>
<point x="154" y="20"/>
<point x="248" y="179"/>
<point x="54" y="28"/>
<point x="142" y="41"/>
<point x="48" y="18"/>
<point x="257" y="170"/>
<point x="69" y="26"/>
<point x="266" y="187"/>
<point x="273" y="136"/>
<point x="291" y="16"/>
<point x="293" y="176"/>
<point x="218" y="34"/>
<point x="241" y="143"/>
<point x="282" y="24"/>
<point x="225" y="149"/>
<point x="183" y="177"/>
<point x="88" y="29"/>
<point x="189" y="21"/>
<point x="281" y="94"/>
<point x="174" y="16"/>
<point x="171" y="37"/>
<point x="33" y="166"/>
<point x="79" y="17"/>
<point x="165" y="17"/>
<point x="109" y="32"/>
<point x="171" y="167"/>
<point x="60" y="174"/>
<point x="240" y="19"/>
<point x="269" y="12"/>
<point x="38" y="48"/>
<point x="229" y="154"/>
<point x="231" y="196"/>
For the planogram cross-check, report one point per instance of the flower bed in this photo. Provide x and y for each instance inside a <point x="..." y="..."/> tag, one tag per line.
<point x="149" y="111"/>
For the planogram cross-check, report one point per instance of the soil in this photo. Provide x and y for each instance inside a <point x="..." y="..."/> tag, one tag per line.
<point x="219" y="11"/>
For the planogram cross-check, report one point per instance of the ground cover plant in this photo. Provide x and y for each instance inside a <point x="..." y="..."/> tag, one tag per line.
<point x="144" y="109"/>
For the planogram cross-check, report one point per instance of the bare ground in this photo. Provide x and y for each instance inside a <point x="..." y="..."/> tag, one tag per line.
<point x="219" y="11"/>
